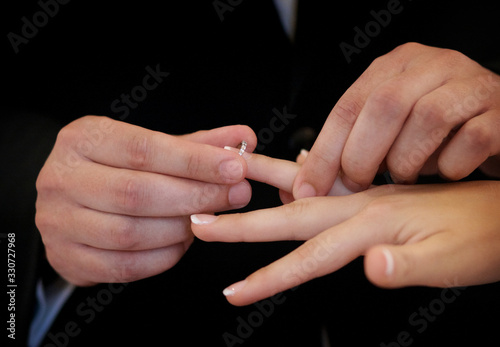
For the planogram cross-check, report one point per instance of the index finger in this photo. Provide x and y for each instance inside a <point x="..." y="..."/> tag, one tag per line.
<point x="345" y="239"/>
<point x="279" y="173"/>
<point x="323" y="163"/>
<point x="133" y="147"/>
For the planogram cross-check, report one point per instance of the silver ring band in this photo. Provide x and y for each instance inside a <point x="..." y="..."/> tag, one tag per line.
<point x="243" y="147"/>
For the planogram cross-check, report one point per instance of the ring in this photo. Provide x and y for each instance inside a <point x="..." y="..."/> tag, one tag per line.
<point x="243" y="147"/>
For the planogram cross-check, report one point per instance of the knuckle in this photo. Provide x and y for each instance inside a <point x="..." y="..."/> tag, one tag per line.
<point x="45" y="223"/>
<point x="44" y="181"/>
<point x="385" y="102"/>
<point x="193" y="165"/>
<point x="125" y="269"/>
<point x="323" y="158"/>
<point x="68" y="136"/>
<point x="428" y="114"/>
<point x="139" y="150"/>
<point x="206" y="196"/>
<point x="346" y="112"/>
<point x="452" y="58"/>
<point x="381" y="207"/>
<point x="124" y="234"/>
<point x="131" y="194"/>
<point x="477" y="136"/>
<point x="410" y="46"/>
<point x="398" y="56"/>
<point x="296" y="208"/>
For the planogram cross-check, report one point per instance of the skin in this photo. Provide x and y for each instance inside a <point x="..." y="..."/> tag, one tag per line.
<point x="417" y="109"/>
<point x="114" y="199"/>
<point x="433" y="235"/>
<point x="108" y="193"/>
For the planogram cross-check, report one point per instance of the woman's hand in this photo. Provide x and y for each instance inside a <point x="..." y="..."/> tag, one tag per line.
<point x="434" y="235"/>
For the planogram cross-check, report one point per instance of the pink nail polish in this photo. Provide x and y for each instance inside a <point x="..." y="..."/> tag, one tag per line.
<point x="233" y="289"/>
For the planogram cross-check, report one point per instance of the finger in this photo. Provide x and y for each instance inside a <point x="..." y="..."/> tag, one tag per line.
<point x="286" y="197"/>
<point x="136" y="148"/>
<point x="279" y="173"/>
<point x="137" y="193"/>
<point x="118" y="232"/>
<point x="92" y="265"/>
<point x="225" y="136"/>
<point x="394" y="266"/>
<point x="475" y="141"/>
<point x="323" y="254"/>
<point x="421" y="263"/>
<point x="301" y="158"/>
<point x="430" y="121"/>
<point x="382" y="119"/>
<point x="321" y="166"/>
<point x="299" y="220"/>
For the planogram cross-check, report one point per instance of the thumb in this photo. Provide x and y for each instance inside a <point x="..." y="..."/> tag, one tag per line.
<point x="395" y="266"/>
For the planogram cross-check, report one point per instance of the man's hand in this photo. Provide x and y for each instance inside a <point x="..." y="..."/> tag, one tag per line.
<point x="417" y="109"/>
<point x="113" y="197"/>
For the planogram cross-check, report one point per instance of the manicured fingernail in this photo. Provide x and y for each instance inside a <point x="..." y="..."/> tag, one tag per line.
<point x="200" y="219"/>
<point x="231" y="170"/>
<point x="233" y="289"/>
<point x="304" y="152"/>
<point x="305" y="190"/>
<point x="389" y="262"/>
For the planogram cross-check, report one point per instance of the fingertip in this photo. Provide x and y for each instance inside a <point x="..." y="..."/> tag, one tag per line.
<point x="304" y="190"/>
<point x="301" y="158"/>
<point x="232" y="293"/>
<point x="352" y="186"/>
<point x="286" y="197"/>
<point x="240" y="194"/>
<point x="380" y="266"/>
<point x="202" y="219"/>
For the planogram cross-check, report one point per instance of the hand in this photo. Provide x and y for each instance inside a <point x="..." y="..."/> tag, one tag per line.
<point x="113" y="197"/>
<point x="433" y="235"/>
<point x="417" y="109"/>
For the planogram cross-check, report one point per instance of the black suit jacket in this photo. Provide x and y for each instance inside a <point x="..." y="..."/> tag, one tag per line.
<point x="227" y="63"/>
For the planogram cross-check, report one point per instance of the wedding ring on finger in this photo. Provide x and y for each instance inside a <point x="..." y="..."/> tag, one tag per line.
<point x="243" y="147"/>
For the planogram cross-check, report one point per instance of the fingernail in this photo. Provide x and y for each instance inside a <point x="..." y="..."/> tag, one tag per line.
<point x="233" y="289"/>
<point x="232" y="170"/>
<point x="304" y="152"/>
<point x="305" y="190"/>
<point x="239" y="195"/>
<point x="389" y="262"/>
<point x="201" y="219"/>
